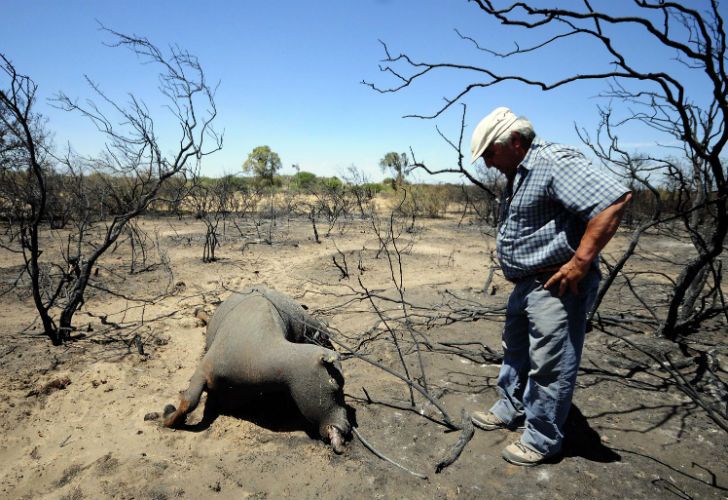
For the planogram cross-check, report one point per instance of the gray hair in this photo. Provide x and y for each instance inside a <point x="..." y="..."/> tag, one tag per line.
<point x="522" y="126"/>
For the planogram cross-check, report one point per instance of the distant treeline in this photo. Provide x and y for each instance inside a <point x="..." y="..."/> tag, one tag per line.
<point x="106" y="195"/>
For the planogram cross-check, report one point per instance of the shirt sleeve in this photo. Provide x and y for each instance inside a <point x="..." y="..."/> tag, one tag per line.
<point x="581" y="188"/>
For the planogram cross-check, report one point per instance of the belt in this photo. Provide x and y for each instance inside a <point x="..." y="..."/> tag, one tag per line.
<point x="538" y="272"/>
<point x="551" y="269"/>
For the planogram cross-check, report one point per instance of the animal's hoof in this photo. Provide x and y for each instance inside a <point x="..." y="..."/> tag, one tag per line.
<point x="337" y="441"/>
<point x="168" y="410"/>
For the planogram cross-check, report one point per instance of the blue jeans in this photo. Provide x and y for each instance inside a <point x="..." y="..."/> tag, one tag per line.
<point x="542" y="342"/>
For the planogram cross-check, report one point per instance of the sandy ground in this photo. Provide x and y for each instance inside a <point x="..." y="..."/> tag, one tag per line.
<point x="73" y="418"/>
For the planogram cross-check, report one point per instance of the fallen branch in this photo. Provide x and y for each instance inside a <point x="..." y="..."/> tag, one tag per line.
<point x="465" y="436"/>
<point x="412" y="385"/>
<point x="371" y="448"/>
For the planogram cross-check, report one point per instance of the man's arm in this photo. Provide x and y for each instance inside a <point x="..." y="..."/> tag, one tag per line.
<point x="599" y="231"/>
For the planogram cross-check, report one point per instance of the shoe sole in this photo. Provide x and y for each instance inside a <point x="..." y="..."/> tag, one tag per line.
<point x="520" y="463"/>
<point x="486" y="427"/>
<point x="492" y="427"/>
<point x="517" y="461"/>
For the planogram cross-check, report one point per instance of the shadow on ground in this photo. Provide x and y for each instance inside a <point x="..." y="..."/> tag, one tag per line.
<point x="275" y="411"/>
<point x="580" y="440"/>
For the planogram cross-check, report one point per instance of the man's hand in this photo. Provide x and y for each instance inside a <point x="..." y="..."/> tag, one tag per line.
<point x="599" y="230"/>
<point x="569" y="275"/>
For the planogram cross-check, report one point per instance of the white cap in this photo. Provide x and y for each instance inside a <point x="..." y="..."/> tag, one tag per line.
<point x="489" y="129"/>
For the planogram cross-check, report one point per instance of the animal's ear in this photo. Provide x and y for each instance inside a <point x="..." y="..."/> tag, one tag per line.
<point x="333" y="367"/>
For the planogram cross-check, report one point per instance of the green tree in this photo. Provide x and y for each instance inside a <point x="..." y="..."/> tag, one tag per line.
<point x="398" y="164"/>
<point x="263" y="164"/>
<point x="304" y="180"/>
<point x="333" y="183"/>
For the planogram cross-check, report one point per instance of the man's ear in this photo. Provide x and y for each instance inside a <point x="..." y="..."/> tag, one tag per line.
<point x="516" y="141"/>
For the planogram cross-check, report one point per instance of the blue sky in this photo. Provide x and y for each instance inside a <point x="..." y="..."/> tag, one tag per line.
<point x="290" y="73"/>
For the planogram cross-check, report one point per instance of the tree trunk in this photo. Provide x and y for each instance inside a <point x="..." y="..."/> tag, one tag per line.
<point x="713" y="249"/>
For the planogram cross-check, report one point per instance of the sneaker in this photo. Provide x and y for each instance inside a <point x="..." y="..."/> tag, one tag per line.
<point x="489" y="422"/>
<point x="520" y="454"/>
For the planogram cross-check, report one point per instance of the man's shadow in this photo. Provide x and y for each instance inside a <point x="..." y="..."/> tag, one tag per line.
<point x="580" y="440"/>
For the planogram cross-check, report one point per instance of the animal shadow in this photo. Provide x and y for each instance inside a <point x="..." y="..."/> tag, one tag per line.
<point x="275" y="411"/>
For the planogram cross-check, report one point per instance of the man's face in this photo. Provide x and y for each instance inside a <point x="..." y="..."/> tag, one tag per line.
<point x="503" y="157"/>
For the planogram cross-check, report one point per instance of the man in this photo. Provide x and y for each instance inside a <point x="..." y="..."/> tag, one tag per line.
<point x="557" y="213"/>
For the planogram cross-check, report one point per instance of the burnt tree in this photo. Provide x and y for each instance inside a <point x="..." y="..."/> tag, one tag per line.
<point x="104" y="193"/>
<point x="681" y="94"/>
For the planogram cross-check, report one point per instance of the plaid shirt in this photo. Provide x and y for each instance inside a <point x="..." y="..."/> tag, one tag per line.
<point x="556" y="191"/>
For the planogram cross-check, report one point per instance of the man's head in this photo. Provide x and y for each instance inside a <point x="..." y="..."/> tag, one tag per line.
<point x="502" y="139"/>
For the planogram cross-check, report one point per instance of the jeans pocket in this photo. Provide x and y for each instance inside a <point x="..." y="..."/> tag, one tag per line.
<point x="542" y="278"/>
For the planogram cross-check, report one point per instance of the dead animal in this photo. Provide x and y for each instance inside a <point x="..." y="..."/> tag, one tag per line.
<point x="262" y="341"/>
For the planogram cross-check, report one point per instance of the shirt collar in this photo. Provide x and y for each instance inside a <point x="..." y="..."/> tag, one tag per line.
<point x="536" y="144"/>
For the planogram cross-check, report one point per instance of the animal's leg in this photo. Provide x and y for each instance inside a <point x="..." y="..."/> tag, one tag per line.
<point x="174" y="417"/>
